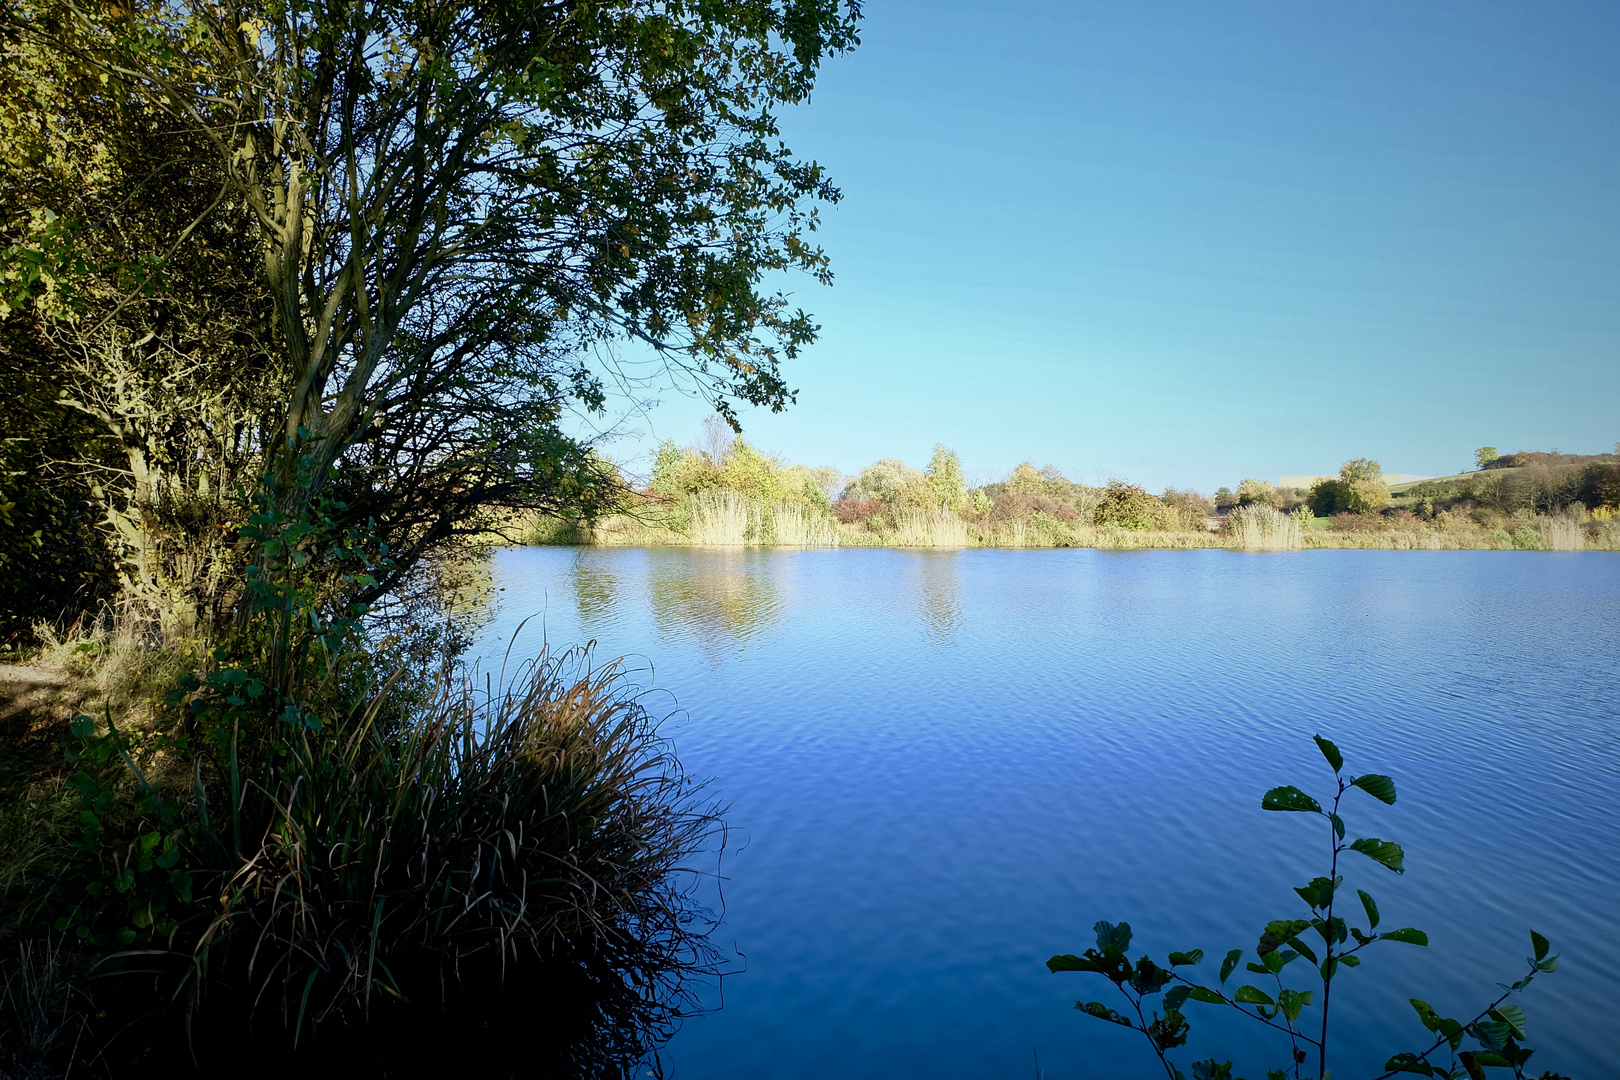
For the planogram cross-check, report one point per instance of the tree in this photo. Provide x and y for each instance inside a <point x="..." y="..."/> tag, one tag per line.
<point x="1361" y="486"/>
<point x="1484" y="456"/>
<point x="1252" y="492"/>
<point x="945" y="482"/>
<point x="452" y="206"/>
<point x="135" y="341"/>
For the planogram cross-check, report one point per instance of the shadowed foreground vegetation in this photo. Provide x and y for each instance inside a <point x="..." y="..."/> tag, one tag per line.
<point x="728" y="493"/>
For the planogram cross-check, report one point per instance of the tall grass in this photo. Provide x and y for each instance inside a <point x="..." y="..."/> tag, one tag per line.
<point x="1564" y="532"/>
<point x="1264" y="528"/>
<point x="721" y="517"/>
<point x="938" y="529"/>
<point x="497" y="829"/>
<point x="795" y="525"/>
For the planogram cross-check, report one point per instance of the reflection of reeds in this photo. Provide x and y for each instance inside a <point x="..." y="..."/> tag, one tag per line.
<point x="722" y="518"/>
<point x="1264" y="528"/>
<point x="916" y="529"/>
<point x="795" y="525"/>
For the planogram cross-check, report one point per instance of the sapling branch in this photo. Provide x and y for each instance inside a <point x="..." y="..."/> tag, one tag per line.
<point x="1496" y="1028"/>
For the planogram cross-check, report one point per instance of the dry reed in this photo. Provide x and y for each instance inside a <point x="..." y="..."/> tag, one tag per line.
<point x="795" y="525"/>
<point x="721" y="517"/>
<point x="1264" y="528"/>
<point x="939" y="529"/>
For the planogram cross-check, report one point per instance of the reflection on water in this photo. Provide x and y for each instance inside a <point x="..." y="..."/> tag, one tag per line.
<point x="944" y="767"/>
<point x="939" y="596"/>
<point x="596" y="591"/>
<point x="717" y="599"/>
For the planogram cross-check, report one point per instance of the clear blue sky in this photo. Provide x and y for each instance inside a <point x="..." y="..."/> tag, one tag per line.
<point x="1187" y="242"/>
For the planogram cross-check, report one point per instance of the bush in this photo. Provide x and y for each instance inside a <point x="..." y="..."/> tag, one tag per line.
<point x="1127" y="506"/>
<point x="315" y="836"/>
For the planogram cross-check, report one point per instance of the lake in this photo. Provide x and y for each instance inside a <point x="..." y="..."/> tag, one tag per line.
<point x="941" y="767"/>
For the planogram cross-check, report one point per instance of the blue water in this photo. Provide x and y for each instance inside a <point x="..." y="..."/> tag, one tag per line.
<point x="943" y="767"/>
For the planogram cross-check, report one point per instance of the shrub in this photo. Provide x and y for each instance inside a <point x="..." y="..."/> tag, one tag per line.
<point x="1127" y="506"/>
<point x="342" y="836"/>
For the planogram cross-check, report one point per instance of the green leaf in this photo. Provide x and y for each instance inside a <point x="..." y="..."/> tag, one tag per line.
<point x="1407" y="934"/>
<point x="1511" y="1015"/>
<point x="1230" y="962"/>
<point x="1378" y="786"/>
<point x="1102" y="1012"/>
<point x="1370" y="908"/>
<point x="83" y="727"/>
<point x="1387" y="852"/>
<point x="1549" y="964"/>
<point x="1292" y="1001"/>
<point x="1193" y="956"/>
<point x="1111" y="938"/>
<point x="1331" y="752"/>
<point x="1176" y="996"/>
<point x="1252" y="995"/>
<point x="1280" y="932"/>
<point x="1206" y="995"/>
<point x="1410" y="1063"/>
<point x="1539" y="943"/>
<point x="1289" y="798"/>
<point x="1338" y="826"/>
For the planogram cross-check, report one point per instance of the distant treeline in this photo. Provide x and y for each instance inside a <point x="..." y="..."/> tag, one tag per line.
<point x="723" y="490"/>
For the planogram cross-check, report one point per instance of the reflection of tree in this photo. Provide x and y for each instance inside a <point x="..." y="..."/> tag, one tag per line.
<point x="939" y="593"/>
<point x="596" y="590"/>
<point x="719" y="598"/>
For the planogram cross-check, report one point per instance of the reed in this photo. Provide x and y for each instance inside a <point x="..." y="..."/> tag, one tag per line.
<point x="1564" y="532"/>
<point x="938" y="529"/>
<point x="795" y="525"/>
<point x="721" y="517"/>
<point x="1264" y="528"/>
<point x="497" y="829"/>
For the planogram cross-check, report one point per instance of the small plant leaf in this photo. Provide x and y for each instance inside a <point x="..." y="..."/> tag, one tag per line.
<point x="1176" y="996"/>
<point x="1540" y="944"/>
<point x="1290" y="798"/>
<point x="1378" y="786"/>
<point x="1329" y="751"/>
<point x="1192" y="956"/>
<point x="1230" y="963"/>
<point x="1387" y="852"/>
<point x="1102" y="1012"/>
<point x="1252" y="995"/>
<point x="1206" y="995"/>
<point x="1370" y="908"/>
<point x="1511" y="1015"/>
<point x="1280" y="932"/>
<point x="83" y="727"/>
<point x="1408" y="934"/>
<point x="1111" y="938"/>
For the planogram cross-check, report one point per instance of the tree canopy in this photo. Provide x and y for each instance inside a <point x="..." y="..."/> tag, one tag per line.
<point x="433" y="221"/>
